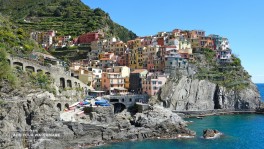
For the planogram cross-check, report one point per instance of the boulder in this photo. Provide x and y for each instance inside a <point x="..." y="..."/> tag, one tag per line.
<point x="210" y="133"/>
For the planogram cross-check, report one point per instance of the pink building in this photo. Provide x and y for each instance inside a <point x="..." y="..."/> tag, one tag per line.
<point x="153" y="82"/>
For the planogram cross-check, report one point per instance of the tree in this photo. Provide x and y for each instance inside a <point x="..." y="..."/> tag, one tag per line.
<point x="68" y="14"/>
<point x="57" y="13"/>
<point x="5" y="69"/>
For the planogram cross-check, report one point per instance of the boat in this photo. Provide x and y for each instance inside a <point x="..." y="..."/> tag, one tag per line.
<point x="84" y="103"/>
<point x="198" y="117"/>
<point x="73" y="105"/>
<point x="101" y="101"/>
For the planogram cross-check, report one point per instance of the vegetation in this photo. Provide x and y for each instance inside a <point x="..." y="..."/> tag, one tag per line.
<point x="15" y="40"/>
<point x="5" y="69"/>
<point x="230" y="75"/>
<point x="41" y="80"/>
<point x="68" y="17"/>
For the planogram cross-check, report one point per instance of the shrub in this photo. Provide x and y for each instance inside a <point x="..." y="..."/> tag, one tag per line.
<point x="5" y="69"/>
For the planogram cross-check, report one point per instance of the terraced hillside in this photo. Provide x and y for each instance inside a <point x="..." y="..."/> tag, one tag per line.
<point x="68" y="17"/>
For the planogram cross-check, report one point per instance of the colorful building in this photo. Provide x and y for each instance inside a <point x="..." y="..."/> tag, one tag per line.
<point x="136" y="80"/>
<point x="114" y="79"/>
<point x="174" y="62"/>
<point x="153" y="82"/>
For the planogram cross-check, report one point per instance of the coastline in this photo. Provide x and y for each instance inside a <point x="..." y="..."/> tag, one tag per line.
<point x="193" y="114"/>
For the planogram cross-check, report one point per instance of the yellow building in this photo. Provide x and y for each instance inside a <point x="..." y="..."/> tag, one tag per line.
<point x="136" y="58"/>
<point x="118" y="48"/>
<point x="127" y="82"/>
<point x="185" y="47"/>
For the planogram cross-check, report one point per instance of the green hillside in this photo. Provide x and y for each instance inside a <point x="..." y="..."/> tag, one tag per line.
<point x="68" y="17"/>
<point x="14" y="39"/>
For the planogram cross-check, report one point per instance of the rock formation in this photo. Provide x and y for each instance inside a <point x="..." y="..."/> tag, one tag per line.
<point x="187" y="94"/>
<point x="211" y="134"/>
<point x="36" y="112"/>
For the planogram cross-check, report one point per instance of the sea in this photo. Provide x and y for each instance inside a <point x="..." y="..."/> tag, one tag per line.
<point x="245" y="131"/>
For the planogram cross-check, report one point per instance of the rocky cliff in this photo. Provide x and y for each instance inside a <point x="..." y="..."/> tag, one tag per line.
<point x="188" y="94"/>
<point x="34" y="112"/>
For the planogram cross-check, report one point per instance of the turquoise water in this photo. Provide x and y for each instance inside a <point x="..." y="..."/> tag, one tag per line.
<point x="240" y="132"/>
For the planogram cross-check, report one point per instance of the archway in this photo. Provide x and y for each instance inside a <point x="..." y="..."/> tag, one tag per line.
<point x="75" y="84"/>
<point x="119" y="107"/>
<point x="59" y="106"/>
<point x="67" y="106"/>
<point x="18" y="65"/>
<point x="30" y="69"/>
<point x="39" y="70"/>
<point x="62" y="82"/>
<point x="69" y="83"/>
<point x="9" y="62"/>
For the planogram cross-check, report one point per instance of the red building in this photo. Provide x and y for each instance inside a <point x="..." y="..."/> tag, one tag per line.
<point x="88" y="38"/>
<point x="160" y="41"/>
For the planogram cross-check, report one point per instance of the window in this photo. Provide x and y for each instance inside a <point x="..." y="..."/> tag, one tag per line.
<point x="130" y="100"/>
<point x="160" y="82"/>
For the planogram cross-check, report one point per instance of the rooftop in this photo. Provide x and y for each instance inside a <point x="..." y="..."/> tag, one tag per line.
<point x="139" y="70"/>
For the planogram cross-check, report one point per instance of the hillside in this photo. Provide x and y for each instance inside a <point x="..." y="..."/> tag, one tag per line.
<point x="16" y="41"/>
<point x="68" y="17"/>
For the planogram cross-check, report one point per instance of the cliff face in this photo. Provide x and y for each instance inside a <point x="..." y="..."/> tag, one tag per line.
<point x="35" y="111"/>
<point x="186" y="94"/>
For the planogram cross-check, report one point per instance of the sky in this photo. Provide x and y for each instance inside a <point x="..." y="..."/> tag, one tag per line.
<point x="241" y="21"/>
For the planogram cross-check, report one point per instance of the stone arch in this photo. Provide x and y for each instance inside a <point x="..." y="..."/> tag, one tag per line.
<point x="39" y="70"/>
<point x="18" y="65"/>
<point x="75" y="84"/>
<point x="59" y="106"/>
<point x="62" y="82"/>
<point x="30" y="68"/>
<point x="9" y="62"/>
<point x="67" y="106"/>
<point x="69" y="83"/>
<point x="119" y="107"/>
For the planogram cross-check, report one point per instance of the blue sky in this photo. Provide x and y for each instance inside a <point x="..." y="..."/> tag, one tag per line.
<point x="241" y="21"/>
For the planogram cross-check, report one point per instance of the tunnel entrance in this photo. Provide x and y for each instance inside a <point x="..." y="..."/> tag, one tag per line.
<point x="59" y="106"/>
<point x="119" y="107"/>
<point x="67" y="106"/>
<point x="62" y="82"/>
